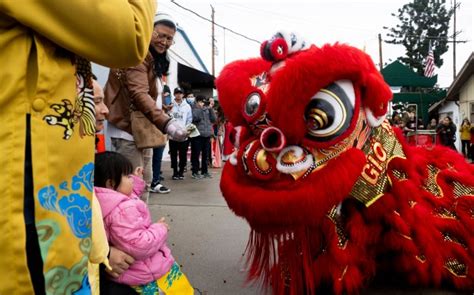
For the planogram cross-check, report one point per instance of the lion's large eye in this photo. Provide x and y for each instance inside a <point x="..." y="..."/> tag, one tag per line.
<point x="330" y="111"/>
<point x="252" y="104"/>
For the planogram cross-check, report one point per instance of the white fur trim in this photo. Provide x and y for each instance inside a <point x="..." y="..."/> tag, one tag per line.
<point x="299" y="42"/>
<point x="238" y="133"/>
<point x="372" y="120"/>
<point x="233" y="159"/>
<point x="300" y="166"/>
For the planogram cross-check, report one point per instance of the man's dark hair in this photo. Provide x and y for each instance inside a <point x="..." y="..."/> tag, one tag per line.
<point x="111" y="166"/>
<point x="200" y="98"/>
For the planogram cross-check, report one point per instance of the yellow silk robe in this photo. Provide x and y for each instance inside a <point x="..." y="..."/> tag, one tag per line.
<point x="38" y="78"/>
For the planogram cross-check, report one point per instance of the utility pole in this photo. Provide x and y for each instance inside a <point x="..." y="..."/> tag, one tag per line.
<point x="224" y="47"/>
<point x="454" y="42"/>
<point x="380" y="52"/>
<point x="213" y="45"/>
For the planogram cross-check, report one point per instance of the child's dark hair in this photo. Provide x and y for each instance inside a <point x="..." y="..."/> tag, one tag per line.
<point x="111" y="165"/>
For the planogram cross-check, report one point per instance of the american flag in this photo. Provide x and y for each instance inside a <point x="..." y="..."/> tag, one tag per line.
<point x="429" y="64"/>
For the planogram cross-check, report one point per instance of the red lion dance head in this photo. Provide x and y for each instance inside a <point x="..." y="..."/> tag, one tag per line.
<point x="332" y="193"/>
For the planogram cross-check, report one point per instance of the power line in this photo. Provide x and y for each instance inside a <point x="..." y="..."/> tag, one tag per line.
<point x="299" y="20"/>
<point x="206" y="19"/>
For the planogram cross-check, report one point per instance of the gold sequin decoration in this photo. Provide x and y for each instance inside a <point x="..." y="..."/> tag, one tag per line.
<point x="462" y="190"/>
<point x="343" y="272"/>
<point x="335" y="217"/>
<point x="382" y="147"/>
<point x="445" y="213"/>
<point x="456" y="268"/>
<point x="421" y="258"/>
<point x="450" y="238"/>
<point x="431" y="184"/>
<point x="400" y="175"/>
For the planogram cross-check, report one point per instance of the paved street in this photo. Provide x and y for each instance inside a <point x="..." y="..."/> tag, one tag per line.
<point x="208" y="240"/>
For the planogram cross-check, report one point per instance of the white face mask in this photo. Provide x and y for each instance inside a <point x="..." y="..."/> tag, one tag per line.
<point x="190" y="100"/>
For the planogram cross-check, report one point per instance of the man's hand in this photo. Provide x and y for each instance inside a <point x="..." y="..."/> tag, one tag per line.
<point x="119" y="261"/>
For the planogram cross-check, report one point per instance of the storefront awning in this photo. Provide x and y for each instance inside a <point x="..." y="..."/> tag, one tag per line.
<point x="195" y="78"/>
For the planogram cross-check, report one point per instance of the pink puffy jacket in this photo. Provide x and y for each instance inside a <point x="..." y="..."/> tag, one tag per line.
<point x="129" y="227"/>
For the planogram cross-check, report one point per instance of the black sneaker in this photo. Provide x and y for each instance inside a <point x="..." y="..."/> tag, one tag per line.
<point x="159" y="188"/>
<point x="207" y="175"/>
<point x="196" y="176"/>
<point x="175" y="177"/>
<point x="153" y="184"/>
<point x="181" y="177"/>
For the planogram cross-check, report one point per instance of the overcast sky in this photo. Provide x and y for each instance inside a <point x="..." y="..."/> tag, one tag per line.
<point x="356" y="23"/>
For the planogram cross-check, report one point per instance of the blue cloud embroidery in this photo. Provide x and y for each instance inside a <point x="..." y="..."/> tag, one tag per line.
<point x="74" y="206"/>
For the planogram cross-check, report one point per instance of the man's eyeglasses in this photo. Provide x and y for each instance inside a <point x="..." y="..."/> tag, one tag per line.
<point x="167" y="38"/>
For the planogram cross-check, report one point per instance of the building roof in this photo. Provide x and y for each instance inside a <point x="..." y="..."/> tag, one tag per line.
<point x="466" y="72"/>
<point x="184" y="52"/>
<point x="436" y="105"/>
<point x="398" y="74"/>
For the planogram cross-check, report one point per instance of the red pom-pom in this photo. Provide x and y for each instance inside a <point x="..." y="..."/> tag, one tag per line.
<point x="278" y="49"/>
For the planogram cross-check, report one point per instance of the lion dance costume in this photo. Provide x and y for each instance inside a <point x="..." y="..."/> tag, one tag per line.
<point x="333" y="194"/>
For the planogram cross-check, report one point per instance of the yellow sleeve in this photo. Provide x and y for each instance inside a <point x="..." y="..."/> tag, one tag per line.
<point x="100" y="246"/>
<point x="114" y="33"/>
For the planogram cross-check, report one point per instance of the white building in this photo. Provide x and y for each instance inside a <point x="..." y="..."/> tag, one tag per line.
<point x="459" y="100"/>
<point x="186" y="68"/>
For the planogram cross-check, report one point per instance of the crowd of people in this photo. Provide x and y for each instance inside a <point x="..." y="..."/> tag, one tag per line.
<point x="445" y="131"/>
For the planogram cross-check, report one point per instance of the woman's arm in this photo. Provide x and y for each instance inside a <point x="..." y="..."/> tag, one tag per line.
<point x="137" y="84"/>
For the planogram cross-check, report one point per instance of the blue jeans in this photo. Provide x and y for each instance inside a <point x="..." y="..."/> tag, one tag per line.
<point x="156" y="164"/>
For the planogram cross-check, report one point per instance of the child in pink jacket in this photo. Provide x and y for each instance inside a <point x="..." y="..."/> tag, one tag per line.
<point x="129" y="227"/>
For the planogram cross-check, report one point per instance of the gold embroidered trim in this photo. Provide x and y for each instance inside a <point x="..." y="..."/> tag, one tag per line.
<point x="456" y="268"/>
<point x="431" y="183"/>
<point x="450" y="238"/>
<point x="400" y="175"/>
<point x="421" y="258"/>
<point x="382" y="147"/>
<point x="335" y="217"/>
<point x="343" y="272"/>
<point x="462" y="190"/>
<point x="445" y="213"/>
